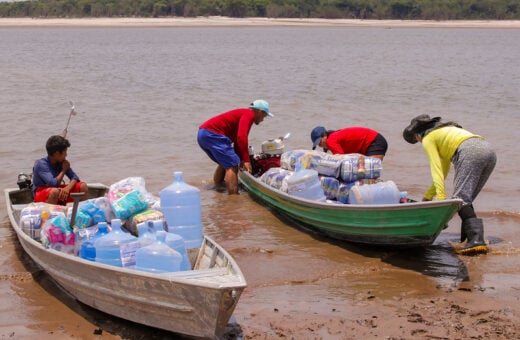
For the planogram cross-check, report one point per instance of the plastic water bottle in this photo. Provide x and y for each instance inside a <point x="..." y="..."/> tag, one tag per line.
<point x="372" y="167"/>
<point x="355" y="167"/>
<point x="174" y="241"/>
<point x="180" y="205"/>
<point x="108" y="247"/>
<point x="305" y="183"/>
<point x="378" y="193"/>
<point x="87" y="250"/>
<point x="158" y="257"/>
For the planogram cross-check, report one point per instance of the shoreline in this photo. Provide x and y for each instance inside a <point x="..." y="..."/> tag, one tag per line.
<point x="217" y="21"/>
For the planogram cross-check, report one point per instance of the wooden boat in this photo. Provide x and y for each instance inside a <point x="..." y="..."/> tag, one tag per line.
<point x="403" y="224"/>
<point x="197" y="303"/>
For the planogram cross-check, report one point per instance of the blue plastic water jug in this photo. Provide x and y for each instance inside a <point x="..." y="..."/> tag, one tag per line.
<point x="145" y="237"/>
<point x="305" y="183"/>
<point x="174" y="241"/>
<point x="108" y="247"/>
<point x="155" y="226"/>
<point x="88" y="250"/>
<point x="180" y="205"/>
<point x="379" y="193"/>
<point x="158" y="257"/>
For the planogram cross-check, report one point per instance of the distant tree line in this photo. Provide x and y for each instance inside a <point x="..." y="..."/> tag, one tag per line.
<point x="330" y="9"/>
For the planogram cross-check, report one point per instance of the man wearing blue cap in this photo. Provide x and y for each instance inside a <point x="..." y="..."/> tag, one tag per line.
<point x="355" y="139"/>
<point x="224" y="138"/>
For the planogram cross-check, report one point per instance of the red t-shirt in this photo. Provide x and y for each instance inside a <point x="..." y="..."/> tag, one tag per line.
<point x="351" y="140"/>
<point x="235" y="125"/>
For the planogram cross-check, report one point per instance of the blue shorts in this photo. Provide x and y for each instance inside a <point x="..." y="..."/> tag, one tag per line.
<point x="219" y="148"/>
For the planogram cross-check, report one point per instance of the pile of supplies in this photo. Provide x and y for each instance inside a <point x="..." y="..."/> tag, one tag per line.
<point x="125" y="228"/>
<point x="341" y="178"/>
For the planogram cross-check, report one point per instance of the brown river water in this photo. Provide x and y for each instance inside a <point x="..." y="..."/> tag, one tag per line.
<point x="141" y="93"/>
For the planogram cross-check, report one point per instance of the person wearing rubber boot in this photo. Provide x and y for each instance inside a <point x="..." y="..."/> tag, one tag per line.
<point x="473" y="159"/>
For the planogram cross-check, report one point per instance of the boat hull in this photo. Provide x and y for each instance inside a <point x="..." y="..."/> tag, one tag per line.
<point x="409" y="224"/>
<point x="197" y="303"/>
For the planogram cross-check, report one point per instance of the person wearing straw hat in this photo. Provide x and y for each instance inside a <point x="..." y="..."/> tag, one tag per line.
<point x="350" y="140"/>
<point x="224" y="138"/>
<point x="473" y="159"/>
<point x="49" y="172"/>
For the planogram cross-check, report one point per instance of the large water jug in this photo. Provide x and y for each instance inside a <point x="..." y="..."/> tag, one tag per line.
<point x="156" y="225"/>
<point x="379" y="193"/>
<point x="145" y="237"/>
<point x="158" y="257"/>
<point x="174" y="241"/>
<point x="87" y="250"/>
<point x="108" y="247"/>
<point x="180" y="205"/>
<point x="305" y="183"/>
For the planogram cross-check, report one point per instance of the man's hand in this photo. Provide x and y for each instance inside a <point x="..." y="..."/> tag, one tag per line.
<point x="64" y="194"/>
<point x="65" y="166"/>
<point x="248" y="167"/>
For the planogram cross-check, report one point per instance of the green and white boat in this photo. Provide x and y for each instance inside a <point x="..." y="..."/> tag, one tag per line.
<point x="400" y="225"/>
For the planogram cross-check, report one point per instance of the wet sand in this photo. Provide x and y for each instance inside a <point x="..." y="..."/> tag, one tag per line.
<point x="392" y="294"/>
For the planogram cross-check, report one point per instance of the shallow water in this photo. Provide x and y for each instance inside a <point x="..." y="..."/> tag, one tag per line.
<point x="141" y="93"/>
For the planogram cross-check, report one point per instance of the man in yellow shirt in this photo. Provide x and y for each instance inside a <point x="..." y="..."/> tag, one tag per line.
<point x="473" y="159"/>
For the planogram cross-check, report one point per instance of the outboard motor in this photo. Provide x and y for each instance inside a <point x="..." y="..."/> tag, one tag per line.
<point x="269" y="158"/>
<point x="24" y="181"/>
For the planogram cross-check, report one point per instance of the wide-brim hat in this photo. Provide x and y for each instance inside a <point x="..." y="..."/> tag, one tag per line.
<point x="417" y="125"/>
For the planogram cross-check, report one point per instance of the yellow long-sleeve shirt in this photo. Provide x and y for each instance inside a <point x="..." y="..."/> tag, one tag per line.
<point x="440" y="145"/>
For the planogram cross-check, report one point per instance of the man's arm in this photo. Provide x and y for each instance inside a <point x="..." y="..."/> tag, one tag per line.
<point x="43" y="175"/>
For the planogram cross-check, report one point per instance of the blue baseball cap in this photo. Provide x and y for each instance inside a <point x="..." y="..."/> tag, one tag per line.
<point x="261" y="105"/>
<point x="316" y="135"/>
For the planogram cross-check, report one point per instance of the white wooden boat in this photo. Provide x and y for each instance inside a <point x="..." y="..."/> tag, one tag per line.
<point x="197" y="303"/>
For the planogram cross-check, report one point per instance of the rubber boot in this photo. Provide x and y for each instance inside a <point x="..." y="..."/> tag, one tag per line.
<point x="466" y="212"/>
<point x="474" y="229"/>
<point x="463" y="228"/>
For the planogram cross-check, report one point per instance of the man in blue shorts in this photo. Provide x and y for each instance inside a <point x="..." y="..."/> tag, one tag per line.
<point x="224" y="138"/>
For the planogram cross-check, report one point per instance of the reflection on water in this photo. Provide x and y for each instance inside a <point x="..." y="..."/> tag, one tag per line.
<point x="438" y="261"/>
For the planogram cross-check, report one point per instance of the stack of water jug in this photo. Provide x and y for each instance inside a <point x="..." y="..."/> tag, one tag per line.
<point x="321" y="177"/>
<point x="162" y="245"/>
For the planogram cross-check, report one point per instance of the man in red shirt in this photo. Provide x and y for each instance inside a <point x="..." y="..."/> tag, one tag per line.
<point x="224" y="138"/>
<point x="350" y="140"/>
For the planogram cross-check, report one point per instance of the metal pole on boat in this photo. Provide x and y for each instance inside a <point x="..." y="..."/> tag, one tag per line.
<point x="76" y="196"/>
<point x="72" y="113"/>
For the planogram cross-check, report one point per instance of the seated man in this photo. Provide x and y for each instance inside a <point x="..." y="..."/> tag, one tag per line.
<point x="48" y="173"/>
